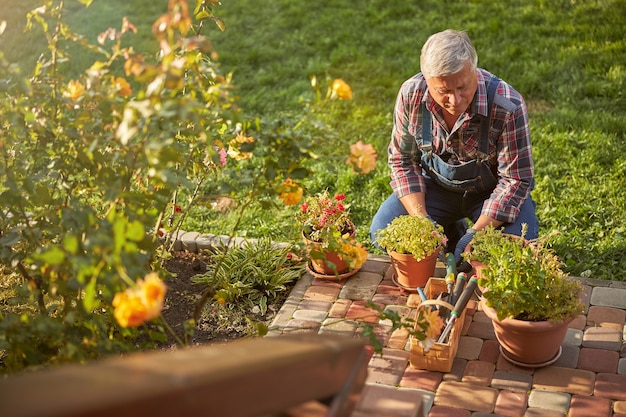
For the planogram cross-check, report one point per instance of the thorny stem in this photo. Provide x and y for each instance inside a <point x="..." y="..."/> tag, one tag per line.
<point x="171" y="331"/>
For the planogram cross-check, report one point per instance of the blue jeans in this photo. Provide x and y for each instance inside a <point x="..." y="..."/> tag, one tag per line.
<point x="450" y="210"/>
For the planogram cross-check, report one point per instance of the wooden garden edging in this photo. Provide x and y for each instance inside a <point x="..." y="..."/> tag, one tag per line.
<point x="245" y="378"/>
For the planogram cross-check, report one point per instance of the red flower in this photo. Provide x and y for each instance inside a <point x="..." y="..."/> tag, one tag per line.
<point x="340" y="197"/>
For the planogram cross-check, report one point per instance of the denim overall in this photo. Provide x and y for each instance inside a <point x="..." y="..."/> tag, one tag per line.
<point x="470" y="177"/>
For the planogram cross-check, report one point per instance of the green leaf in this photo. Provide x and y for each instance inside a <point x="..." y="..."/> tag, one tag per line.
<point x="89" y="298"/>
<point x="136" y="231"/>
<point x="52" y="256"/>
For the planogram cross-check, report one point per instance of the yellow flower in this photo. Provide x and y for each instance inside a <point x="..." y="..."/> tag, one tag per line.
<point x="291" y="193"/>
<point x="129" y="309"/>
<point x="435" y="323"/>
<point x="340" y="90"/>
<point x="362" y="157"/>
<point x="152" y="291"/>
<point x="122" y="86"/>
<point x="75" y="90"/>
<point x="142" y="302"/>
<point x="353" y="253"/>
<point x="235" y="145"/>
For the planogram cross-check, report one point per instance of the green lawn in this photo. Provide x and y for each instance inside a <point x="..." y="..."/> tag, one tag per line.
<point x="565" y="57"/>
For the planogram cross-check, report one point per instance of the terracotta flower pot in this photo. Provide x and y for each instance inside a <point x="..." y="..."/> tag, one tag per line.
<point x="323" y="261"/>
<point x="528" y="343"/>
<point x="411" y="273"/>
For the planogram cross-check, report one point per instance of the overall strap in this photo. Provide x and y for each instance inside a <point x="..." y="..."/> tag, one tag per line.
<point x="483" y="147"/>
<point x="426" y="129"/>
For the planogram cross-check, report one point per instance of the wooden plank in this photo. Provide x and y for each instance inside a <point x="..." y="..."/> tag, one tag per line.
<point x="250" y="377"/>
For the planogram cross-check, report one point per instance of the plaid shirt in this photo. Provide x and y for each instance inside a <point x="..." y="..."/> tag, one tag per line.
<point x="510" y="154"/>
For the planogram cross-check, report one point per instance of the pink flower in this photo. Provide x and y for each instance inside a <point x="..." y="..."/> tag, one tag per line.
<point x="223" y="155"/>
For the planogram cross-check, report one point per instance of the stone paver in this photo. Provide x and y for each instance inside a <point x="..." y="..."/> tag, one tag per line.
<point x="550" y="400"/>
<point x="481" y="330"/>
<point x="422" y="379"/>
<point x="574" y="381"/>
<point x="361" y="286"/>
<point x="602" y="338"/>
<point x="512" y="381"/>
<point x="569" y="357"/>
<point x="466" y="396"/>
<point x="469" y="347"/>
<point x="611" y="317"/>
<point x="320" y="293"/>
<point x="316" y="305"/>
<point x="619" y="407"/>
<point x="574" y="337"/>
<point x="621" y="367"/>
<point x="490" y="351"/>
<point x="610" y="386"/>
<point x="478" y="373"/>
<point x="359" y="310"/>
<point x="511" y="404"/>
<point x="339" y="308"/>
<point x="312" y="315"/>
<point x="339" y="326"/>
<point x="598" y="360"/>
<point x="583" y="406"/>
<point x="383" y="400"/>
<point x="579" y="323"/>
<point x="609" y="297"/>
<point x="398" y="339"/>
<point x="387" y="368"/>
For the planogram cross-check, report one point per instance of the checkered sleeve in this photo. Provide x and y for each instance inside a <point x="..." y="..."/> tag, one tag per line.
<point x="403" y="152"/>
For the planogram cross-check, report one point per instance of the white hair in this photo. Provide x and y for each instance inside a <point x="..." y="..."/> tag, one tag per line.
<point x="446" y="53"/>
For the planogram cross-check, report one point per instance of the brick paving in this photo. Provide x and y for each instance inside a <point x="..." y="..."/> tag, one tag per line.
<point x="589" y="379"/>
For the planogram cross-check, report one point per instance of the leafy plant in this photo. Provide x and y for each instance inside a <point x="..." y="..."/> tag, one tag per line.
<point x="416" y="235"/>
<point x="524" y="279"/>
<point x="327" y="227"/>
<point x="91" y="168"/>
<point x="249" y="275"/>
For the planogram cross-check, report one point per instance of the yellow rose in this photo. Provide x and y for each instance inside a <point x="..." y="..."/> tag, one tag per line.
<point x="341" y="90"/>
<point x="362" y="157"/>
<point x="291" y="193"/>
<point x="142" y="302"/>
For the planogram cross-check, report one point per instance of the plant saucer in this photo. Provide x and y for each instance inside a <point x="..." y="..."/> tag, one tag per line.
<point x="330" y="277"/>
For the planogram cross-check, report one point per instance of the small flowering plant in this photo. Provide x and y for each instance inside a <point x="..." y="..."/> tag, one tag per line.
<point x="415" y="235"/>
<point x="323" y="214"/>
<point x="326" y="221"/>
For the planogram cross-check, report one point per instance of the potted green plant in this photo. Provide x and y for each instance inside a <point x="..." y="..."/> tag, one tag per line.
<point x="329" y="235"/>
<point x="413" y="244"/>
<point x="526" y="294"/>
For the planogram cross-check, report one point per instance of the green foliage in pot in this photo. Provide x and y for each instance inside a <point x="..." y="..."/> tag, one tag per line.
<point x="416" y="235"/>
<point x="524" y="279"/>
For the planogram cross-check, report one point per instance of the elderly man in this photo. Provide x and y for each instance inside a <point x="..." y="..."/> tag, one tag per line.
<point x="460" y="147"/>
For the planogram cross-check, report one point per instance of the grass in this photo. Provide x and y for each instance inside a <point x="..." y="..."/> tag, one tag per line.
<point x="568" y="66"/>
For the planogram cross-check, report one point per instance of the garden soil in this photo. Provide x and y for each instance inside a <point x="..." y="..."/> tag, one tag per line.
<point x="218" y="323"/>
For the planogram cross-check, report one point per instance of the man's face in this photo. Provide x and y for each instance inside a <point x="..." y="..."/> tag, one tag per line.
<point x="454" y="92"/>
